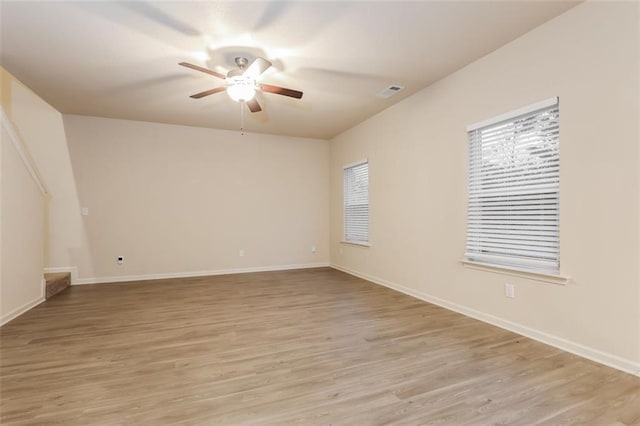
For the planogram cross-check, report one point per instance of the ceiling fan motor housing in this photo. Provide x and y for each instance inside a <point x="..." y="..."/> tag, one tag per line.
<point x="235" y="73"/>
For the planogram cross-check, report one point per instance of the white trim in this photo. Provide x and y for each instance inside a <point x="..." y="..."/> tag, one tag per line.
<point x="20" y="310"/>
<point x="610" y="360"/>
<point x="128" y="278"/>
<point x="22" y="152"/>
<point x="357" y="243"/>
<point x="520" y="111"/>
<point x="546" y="277"/>
<point x="356" y="163"/>
<point x="73" y="270"/>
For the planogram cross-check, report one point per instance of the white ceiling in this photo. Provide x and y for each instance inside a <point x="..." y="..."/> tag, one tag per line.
<point x="120" y="59"/>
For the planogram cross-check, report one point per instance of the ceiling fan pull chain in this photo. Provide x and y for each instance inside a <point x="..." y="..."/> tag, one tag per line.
<point x="241" y="118"/>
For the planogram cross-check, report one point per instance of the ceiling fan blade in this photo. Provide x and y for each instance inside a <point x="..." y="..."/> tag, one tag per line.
<point x="281" y="91"/>
<point x="208" y="92"/>
<point x="253" y="105"/>
<point x="201" y="69"/>
<point x="257" y="67"/>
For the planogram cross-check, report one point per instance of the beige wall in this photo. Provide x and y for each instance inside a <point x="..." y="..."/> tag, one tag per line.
<point x="267" y="195"/>
<point x="22" y="222"/>
<point x="41" y="129"/>
<point x="183" y="200"/>
<point x="418" y="158"/>
<point x="35" y="127"/>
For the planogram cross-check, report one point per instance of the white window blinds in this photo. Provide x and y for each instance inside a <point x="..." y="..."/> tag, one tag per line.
<point x="513" y="210"/>
<point x="356" y="202"/>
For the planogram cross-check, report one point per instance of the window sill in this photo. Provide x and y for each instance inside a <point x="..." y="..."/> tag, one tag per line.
<point x="356" y="243"/>
<point x="516" y="272"/>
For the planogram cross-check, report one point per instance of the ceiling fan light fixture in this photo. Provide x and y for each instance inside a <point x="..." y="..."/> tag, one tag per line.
<point x="241" y="89"/>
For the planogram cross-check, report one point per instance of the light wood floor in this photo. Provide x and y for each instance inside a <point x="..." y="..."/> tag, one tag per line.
<point x="296" y="347"/>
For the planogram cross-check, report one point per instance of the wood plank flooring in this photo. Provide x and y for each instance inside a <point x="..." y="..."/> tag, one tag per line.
<point x="296" y="347"/>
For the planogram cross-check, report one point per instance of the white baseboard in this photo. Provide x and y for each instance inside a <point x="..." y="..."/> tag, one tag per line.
<point x="126" y="278"/>
<point x="20" y="310"/>
<point x="626" y="365"/>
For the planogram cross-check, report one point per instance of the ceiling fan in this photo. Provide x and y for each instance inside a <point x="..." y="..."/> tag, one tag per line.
<point x="242" y="83"/>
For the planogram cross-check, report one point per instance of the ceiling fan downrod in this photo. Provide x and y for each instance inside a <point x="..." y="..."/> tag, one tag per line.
<point x="241" y="62"/>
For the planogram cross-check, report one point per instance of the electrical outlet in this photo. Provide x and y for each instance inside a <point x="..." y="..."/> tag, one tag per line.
<point x="313" y="249"/>
<point x="510" y="291"/>
<point x="241" y="253"/>
<point x="120" y="260"/>
<point x="85" y="211"/>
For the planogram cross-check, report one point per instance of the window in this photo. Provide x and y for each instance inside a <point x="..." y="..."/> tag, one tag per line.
<point x="356" y="203"/>
<point x="513" y="208"/>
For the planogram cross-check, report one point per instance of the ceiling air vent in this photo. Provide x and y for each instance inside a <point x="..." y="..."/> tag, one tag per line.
<point x="389" y="91"/>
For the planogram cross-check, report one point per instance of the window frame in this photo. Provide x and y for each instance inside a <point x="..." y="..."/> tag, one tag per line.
<point x="345" y="234"/>
<point x="538" y="266"/>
